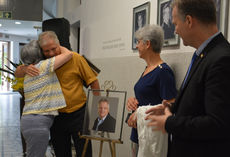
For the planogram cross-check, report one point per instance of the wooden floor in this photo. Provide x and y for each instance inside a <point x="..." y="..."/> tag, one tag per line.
<point x="10" y="139"/>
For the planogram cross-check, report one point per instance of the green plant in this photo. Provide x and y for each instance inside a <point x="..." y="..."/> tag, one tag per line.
<point x="16" y="83"/>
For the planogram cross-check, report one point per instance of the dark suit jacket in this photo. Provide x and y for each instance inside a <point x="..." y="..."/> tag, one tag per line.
<point x="201" y="127"/>
<point x="108" y="125"/>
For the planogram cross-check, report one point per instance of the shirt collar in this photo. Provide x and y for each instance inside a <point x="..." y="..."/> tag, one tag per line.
<point x="202" y="46"/>
<point x="102" y="118"/>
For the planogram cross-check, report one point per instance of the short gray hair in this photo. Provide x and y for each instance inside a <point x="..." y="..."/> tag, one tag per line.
<point x="152" y="33"/>
<point x="31" y="53"/>
<point x="42" y="38"/>
<point x="103" y="100"/>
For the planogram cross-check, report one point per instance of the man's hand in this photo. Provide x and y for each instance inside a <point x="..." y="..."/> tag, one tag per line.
<point x="156" y="110"/>
<point x="159" y="109"/>
<point x="32" y="70"/>
<point x="158" y="120"/>
<point x="132" y="104"/>
<point x="132" y="122"/>
<point x="22" y="70"/>
<point x="166" y="103"/>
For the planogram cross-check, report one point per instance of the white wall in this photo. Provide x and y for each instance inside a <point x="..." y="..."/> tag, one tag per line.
<point x="15" y="40"/>
<point x="105" y="23"/>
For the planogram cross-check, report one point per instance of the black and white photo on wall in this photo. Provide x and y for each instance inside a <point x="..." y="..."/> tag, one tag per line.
<point x="164" y="19"/>
<point x="104" y="114"/>
<point x="222" y="10"/>
<point x="141" y="15"/>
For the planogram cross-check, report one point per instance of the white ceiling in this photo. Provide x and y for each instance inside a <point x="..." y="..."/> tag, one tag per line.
<point x="26" y="28"/>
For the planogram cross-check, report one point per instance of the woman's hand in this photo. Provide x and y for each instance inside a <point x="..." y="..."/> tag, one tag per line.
<point x="132" y="122"/>
<point x="132" y="104"/>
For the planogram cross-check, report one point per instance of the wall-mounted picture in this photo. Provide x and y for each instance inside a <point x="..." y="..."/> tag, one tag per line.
<point x="222" y="15"/>
<point x="165" y="21"/>
<point x="141" y="15"/>
<point x="104" y="114"/>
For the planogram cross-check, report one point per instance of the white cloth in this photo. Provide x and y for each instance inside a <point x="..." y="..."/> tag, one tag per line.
<point x="151" y="143"/>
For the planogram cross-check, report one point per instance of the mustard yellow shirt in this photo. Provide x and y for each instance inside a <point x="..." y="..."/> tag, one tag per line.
<point x="71" y="76"/>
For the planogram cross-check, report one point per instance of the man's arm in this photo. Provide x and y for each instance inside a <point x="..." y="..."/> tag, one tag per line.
<point x="22" y="70"/>
<point x="95" y="85"/>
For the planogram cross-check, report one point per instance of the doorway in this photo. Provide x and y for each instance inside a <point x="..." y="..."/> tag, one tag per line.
<point x="4" y="53"/>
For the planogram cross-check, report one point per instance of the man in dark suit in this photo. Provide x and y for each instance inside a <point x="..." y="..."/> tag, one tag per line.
<point x="199" y="120"/>
<point x="105" y="122"/>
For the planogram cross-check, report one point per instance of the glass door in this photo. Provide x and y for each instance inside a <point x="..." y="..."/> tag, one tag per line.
<point x="4" y="53"/>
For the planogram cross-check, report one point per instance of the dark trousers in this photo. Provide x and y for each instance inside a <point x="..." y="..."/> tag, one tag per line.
<point x="65" y="126"/>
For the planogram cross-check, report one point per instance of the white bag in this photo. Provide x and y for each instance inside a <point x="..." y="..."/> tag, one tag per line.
<point x="151" y="143"/>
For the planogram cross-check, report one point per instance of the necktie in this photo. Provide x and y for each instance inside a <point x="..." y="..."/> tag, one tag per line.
<point x="190" y="66"/>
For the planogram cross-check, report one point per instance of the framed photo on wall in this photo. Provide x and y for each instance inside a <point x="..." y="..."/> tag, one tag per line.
<point x="222" y="15"/>
<point x="104" y="114"/>
<point x="141" y="15"/>
<point x="164" y="19"/>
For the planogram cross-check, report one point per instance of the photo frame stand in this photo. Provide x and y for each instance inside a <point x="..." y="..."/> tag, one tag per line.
<point x="107" y="87"/>
<point x="112" y="148"/>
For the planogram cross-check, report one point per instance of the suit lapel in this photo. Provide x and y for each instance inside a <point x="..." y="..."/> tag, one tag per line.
<point x="204" y="53"/>
<point x="194" y="67"/>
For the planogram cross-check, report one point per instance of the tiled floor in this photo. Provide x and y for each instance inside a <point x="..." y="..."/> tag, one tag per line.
<point x="10" y="139"/>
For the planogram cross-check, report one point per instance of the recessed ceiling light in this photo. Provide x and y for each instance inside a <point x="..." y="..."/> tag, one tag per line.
<point x="18" y="23"/>
<point x="0" y="24"/>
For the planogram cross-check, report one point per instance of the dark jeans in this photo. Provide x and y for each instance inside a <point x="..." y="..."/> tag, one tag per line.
<point x="64" y="126"/>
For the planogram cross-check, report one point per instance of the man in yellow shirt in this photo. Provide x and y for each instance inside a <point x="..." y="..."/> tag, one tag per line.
<point x="71" y="76"/>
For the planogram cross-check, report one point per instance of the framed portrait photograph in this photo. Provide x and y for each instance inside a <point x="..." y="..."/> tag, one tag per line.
<point x="164" y="19"/>
<point x="222" y="7"/>
<point x="104" y="114"/>
<point x="141" y="15"/>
